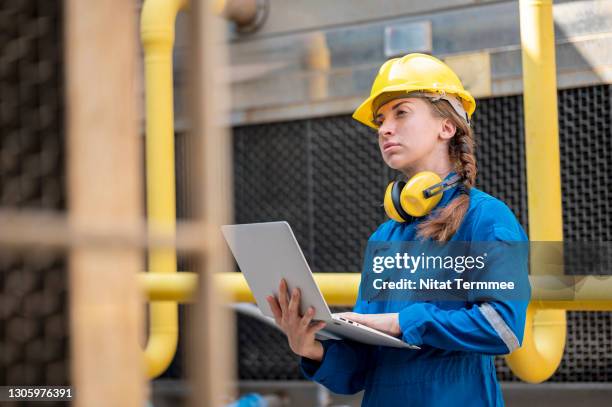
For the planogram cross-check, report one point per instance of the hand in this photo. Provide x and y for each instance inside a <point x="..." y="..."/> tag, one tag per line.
<point x="387" y="323"/>
<point x="300" y="330"/>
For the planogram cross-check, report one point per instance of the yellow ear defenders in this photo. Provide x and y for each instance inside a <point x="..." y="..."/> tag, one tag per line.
<point x="406" y="200"/>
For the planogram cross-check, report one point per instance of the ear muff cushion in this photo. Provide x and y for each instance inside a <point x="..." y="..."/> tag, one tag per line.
<point x="396" y="193"/>
<point x="389" y="206"/>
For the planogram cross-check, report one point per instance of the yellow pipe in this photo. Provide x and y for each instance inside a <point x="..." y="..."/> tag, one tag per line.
<point x="543" y="345"/>
<point x="592" y="293"/>
<point x="584" y="305"/>
<point x="545" y="330"/>
<point x="571" y="288"/>
<point x="235" y="285"/>
<point x="337" y="288"/>
<point x="178" y="287"/>
<point x="157" y="34"/>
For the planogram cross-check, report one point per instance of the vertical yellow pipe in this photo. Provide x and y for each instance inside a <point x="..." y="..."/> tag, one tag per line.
<point x="157" y="33"/>
<point x="541" y="120"/>
<point x="545" y="330"/>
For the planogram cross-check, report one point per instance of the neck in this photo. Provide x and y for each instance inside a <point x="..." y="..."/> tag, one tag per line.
<point x="440" y="168"/>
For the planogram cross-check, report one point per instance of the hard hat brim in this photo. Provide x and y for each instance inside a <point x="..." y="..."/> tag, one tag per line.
<point x="365" y="115"/>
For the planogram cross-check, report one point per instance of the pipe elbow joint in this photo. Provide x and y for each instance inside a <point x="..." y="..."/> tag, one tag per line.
<point x="163" y="339"/>
<point x="543" y="344"/>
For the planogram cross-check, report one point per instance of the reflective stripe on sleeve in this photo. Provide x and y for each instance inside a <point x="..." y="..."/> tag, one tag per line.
<point x="500" y="326"/>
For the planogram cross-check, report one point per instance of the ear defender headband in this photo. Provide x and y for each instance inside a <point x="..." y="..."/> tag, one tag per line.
<point x="406" y="200"/>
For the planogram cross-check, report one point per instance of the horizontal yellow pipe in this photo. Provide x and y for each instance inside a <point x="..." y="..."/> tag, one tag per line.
<point x="337" y="288"/>
<point x="179" y="287"/>
<point x="571" y="288"/>
<point x="341" y="289"/>
<point x="582" y="305"/>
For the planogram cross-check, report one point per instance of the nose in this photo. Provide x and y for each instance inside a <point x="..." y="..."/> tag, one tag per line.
<point x="386" y="129"/>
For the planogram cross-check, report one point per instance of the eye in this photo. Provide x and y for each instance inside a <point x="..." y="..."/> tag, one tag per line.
<point x="377" y="122"/>
<point x="401" y="113"/>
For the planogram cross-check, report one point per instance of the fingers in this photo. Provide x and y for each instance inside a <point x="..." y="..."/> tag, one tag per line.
<point x="294" y="304"/>
<point x="282" y="295"/>
<point x="314" y="328"/>
<point x="275" y="307"/>
<point x="307" y="317"/>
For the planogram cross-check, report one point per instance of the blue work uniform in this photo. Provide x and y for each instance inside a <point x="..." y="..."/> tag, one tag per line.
<point x="455" y="365"/>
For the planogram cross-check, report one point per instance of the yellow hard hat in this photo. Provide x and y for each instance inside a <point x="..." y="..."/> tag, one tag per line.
<point x="415" y="73"/>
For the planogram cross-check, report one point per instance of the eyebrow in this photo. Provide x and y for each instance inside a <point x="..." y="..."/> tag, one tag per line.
<point x="393" y="108"/>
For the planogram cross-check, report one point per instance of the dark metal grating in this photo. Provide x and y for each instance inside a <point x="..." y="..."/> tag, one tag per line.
<point x="272" y="181"/>
<point x="269" y="356"/>
<point x="31" y="173"/>
<point x="325" y="176"/>
<point x="586" y="151"/>
<point x="585" y="141"/>
<point x="33" y="299"/>
<point x="588" y="348"/>
<point x="345" y="206"/>
<point x="500" y="152"/>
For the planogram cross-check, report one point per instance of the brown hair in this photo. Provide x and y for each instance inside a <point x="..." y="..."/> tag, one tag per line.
<point x="444" y="222"/>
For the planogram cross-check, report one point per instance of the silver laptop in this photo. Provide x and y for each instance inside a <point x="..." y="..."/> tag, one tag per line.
<point x="268" y="252"/>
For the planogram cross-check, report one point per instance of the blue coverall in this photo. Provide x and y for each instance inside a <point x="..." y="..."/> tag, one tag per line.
<point x="455" y="365"/>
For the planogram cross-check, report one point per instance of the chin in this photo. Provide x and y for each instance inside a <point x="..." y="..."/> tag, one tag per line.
<point x="396" y="163"/>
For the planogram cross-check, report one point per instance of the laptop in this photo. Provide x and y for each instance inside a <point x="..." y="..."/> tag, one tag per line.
<point x="266" y="253"/>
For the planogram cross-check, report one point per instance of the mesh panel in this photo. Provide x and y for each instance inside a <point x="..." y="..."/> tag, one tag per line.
<point x="263" y="352"/>
<point x="588" y="352"/>
<point x="272" y="181"/>
<point x="341" y="178"/>
<point x="588" y="348"/>
<point x="33" y="301"/>
<point x="348" y="177"/>
<point x="586" y="151"/>
<point x="586" y="156"/>
<point x="33" y="319"/>
<point x="33" y="311"/>
<point x="500" y="152"/>
<point x="31" y="147"/>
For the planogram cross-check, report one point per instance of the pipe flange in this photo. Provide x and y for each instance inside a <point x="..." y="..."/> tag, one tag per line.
<point x="261" y="15"/>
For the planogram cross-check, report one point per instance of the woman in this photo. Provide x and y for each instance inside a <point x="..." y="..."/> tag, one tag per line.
<point x="421" y="112"/>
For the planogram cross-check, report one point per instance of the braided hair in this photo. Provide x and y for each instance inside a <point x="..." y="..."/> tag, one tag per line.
<point x="444" y="222"/>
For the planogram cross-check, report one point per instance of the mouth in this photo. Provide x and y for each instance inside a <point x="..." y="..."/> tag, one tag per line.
<point x="389" y="146"/>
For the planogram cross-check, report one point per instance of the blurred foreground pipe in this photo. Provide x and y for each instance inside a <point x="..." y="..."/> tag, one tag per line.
<point x="103" y="187"/>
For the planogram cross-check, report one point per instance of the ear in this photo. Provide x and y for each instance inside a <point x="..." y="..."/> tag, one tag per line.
<point x="447" y="129"/>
